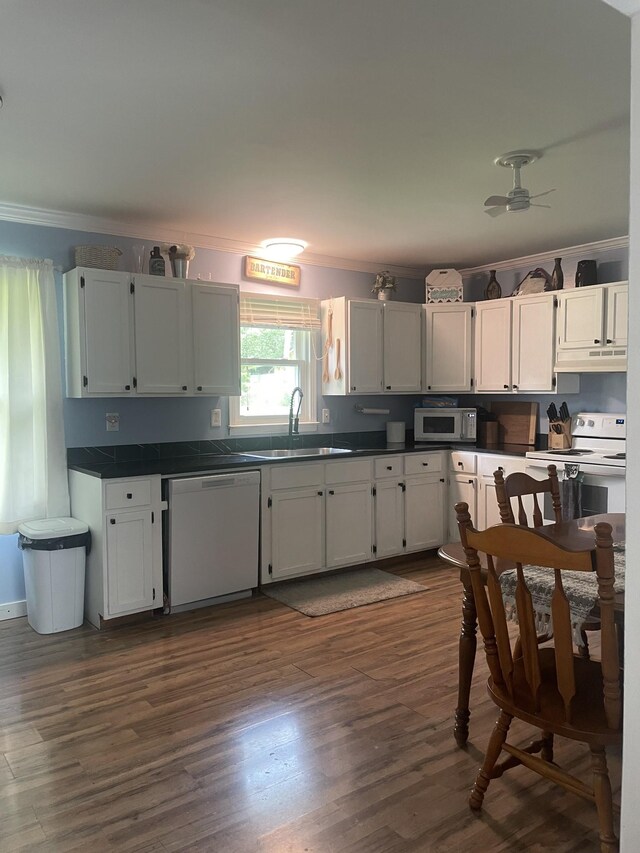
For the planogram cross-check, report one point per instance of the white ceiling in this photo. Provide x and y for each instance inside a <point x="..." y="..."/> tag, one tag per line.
<point x="366" y="127"/>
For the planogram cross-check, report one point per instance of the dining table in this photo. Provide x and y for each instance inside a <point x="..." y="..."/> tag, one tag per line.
<point x="575" y="535"/>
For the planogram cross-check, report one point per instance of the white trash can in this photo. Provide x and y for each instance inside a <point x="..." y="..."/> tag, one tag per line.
<point x="53" y="555"/>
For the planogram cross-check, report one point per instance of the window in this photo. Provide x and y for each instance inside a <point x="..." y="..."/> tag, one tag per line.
<point x="277" y="349"/>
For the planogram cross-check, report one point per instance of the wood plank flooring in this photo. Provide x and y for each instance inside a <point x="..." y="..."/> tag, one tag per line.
<point x="250" y="727"/>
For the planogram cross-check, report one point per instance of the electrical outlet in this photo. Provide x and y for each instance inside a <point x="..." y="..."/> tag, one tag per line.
<point x="113" y="421"/>
<point x="326" y="416"/>
<point x="216" y="417"/>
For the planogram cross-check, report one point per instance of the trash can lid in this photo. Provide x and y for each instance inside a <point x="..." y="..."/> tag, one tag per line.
<point x="50" y="528"/>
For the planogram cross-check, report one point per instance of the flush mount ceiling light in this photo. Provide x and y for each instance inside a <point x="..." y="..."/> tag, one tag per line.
<point x="282" y="248"/>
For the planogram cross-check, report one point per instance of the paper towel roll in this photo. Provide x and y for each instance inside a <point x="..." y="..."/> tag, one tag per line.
<point x="395" y="432"/>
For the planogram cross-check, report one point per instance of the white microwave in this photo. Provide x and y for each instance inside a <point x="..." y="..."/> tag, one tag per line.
<point x="446" y="424"/>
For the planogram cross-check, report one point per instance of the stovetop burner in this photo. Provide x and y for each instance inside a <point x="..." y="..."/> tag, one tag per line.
<point x="570" y="452"/>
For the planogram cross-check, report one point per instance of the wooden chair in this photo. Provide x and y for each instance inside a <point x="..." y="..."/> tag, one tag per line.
<point x="550" y="688"/>
<point x="520" y="485"/>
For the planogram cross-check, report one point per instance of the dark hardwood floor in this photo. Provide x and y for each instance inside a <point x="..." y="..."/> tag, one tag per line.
<point x="250" y="727"/>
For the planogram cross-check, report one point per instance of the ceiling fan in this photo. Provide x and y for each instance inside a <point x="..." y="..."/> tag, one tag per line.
<point x="519" y="197"/>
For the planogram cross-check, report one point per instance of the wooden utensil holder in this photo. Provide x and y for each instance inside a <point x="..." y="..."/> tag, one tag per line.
<point x="560" y="440"/>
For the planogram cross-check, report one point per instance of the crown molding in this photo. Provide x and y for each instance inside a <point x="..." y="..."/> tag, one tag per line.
<point x="627" y="7"/>
<point x="542" y="257"/>
<point x="148" y="231"/>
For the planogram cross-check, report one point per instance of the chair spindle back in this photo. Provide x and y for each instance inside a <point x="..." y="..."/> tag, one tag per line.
<point x="519" y="485"/>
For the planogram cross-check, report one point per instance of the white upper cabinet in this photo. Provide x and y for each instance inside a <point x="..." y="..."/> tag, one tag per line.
<point x="493" y="345"/>
<point x="364" y="346"/>
<point x="98" y="333"/>
<point x="592" y="328"/>
<point x="448" y="347"/>
<point x="371" y="347"/>
<point x="533" y="339"/>
<point x="216" y="339"/>
<point x="402" y="347"/>
<point x="162" y="353"/>
<point x="149" y="335"/>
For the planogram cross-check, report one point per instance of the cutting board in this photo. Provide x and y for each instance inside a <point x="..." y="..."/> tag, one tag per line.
<point x="516" y="422"/>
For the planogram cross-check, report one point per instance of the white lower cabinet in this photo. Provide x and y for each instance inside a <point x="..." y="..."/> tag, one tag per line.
<point x="424" y="501"/>
<point x="462" y="487"/>
<point x="349" y="527"/>
<point x="124" y="565"/>
<point x="488" y="513"/>
<point x="297" y="532"/>
<point x="389" y="518"/>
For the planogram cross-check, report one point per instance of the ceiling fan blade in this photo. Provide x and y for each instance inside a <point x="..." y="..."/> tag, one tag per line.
<point x="496" y="211"/>
<point x="539" y="195"/>
<point x="497" y="199"/>
<point x="548" y="206"/>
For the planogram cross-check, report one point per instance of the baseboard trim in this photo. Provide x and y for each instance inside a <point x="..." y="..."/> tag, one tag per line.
<point x="13" y="609"/>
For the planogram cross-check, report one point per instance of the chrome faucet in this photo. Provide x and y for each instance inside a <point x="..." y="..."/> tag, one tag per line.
<point x="293" y="419"/>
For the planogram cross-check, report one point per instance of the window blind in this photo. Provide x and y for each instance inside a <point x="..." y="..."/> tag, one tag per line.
<point x="290" y="312"/>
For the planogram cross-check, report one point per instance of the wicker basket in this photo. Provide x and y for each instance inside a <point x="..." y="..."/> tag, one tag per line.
<point x="99" y="257"/>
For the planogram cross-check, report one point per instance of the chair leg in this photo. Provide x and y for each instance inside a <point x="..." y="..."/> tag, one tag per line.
<point x="498" y="737"/>
<point x="583" y="650"/>
<point x="604" y="800"/>
<point x="547" y="746"/>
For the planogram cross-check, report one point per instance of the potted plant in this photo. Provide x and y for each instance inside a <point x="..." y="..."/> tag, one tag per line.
<point x="384" y="285"/>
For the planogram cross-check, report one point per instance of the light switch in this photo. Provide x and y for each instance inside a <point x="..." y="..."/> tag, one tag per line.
<point x="216" y="417"/>
<point x="326" y="416"/>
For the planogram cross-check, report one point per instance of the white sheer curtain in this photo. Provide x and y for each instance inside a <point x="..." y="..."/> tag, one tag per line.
<point x="33" y="473"/>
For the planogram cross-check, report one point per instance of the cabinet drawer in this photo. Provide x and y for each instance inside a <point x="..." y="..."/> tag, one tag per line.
<point x="422" y="463"/>
<point x="289" y="476"/>
<point x="127" y="494"/>
<point x="463" y="462"/>
<point x="489" y="463"/>
<point x="388" y="466"/>
<point x="348" y="472"/>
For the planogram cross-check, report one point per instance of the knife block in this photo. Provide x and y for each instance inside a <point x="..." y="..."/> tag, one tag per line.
<point x="560" y="441"/>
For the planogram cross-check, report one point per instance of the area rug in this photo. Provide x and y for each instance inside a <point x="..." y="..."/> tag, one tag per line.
<point x="319" y="596"/>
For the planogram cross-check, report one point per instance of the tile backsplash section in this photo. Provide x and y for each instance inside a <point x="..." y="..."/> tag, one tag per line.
<point x="174" y="449"/>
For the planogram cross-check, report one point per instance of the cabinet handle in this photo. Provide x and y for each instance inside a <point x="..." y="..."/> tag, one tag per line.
<point x="428" y="387"/>
<point x="470" y="482"/>
<point x="112" y="521"/>
<point x="442" y="479"/>
<point x="389" y="467"/>
<point x="184" y="387"/>
<point x="460" y="464"/>
<point x="515" y="387"/>
<point x="199" y="387"/>
<point x="500" y="468"/>
<point x="425" y="464"/>
<point x="596" y="341"/>
<point x="331" y="492"/>
<point x="609" y="341"/>
<point x="388" y="387"/>
<point x="127" y="387"/>
<point x="505" y="386"/>
<point x="353" y="387"/>
<point x="129" y="495"/>
<point x="320" y="494"/>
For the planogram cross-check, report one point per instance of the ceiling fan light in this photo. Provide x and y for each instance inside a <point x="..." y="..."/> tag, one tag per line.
<point x="282" y="248"/>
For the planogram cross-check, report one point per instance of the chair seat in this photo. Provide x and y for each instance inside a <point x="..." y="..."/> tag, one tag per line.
<point x="588" y="716"/>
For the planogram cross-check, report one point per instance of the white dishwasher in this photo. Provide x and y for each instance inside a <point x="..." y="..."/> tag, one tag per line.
<point x="214" y="525"/>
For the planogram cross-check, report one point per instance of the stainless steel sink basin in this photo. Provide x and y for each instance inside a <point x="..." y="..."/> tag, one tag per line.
<point x="297" y="451"/>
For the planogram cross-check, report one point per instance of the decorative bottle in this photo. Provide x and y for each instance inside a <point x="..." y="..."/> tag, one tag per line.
<point x="156" y="262"/>
<point x="557" y="276"/>
<point x="493" y="289"/>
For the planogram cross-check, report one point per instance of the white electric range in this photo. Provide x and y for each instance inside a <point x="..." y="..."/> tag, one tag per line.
<point x="598" y="449"/>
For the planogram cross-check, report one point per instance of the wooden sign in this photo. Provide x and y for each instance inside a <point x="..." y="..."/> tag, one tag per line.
<point x="258" y="269"/>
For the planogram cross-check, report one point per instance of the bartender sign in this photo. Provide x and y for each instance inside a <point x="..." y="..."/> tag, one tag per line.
<point x="258" y="269"/>
<point x="444" y="286"/>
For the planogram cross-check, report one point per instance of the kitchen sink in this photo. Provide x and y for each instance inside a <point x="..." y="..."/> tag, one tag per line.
<point x="297" y="451"/>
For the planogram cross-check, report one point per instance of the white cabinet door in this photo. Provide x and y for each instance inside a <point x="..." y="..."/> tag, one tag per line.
<point x="389" y="518"/>
<point x="617" y="315"/>
<point x="448" y="347"/>
<point x="349" y="524"/>
<point x="493" y="345"/>
<point x="402" y="347"/>
<point x="581" y="318"/>
<point x="365" y="346"/>
<point x="129" y="570"/>
<point x="488" y="511"/>
<point x="216" y="339"/>
<point x="533" y="343"/>
<point x="297" y="532"/>
<point x="424" y="512"/>
<point x="162" y="360"/>
<point x="461" y="488"/>
<point x="98" y="332"/>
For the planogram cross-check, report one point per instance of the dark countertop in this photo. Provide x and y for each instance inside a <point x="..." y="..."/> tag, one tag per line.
<point x="220" y="462"/>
